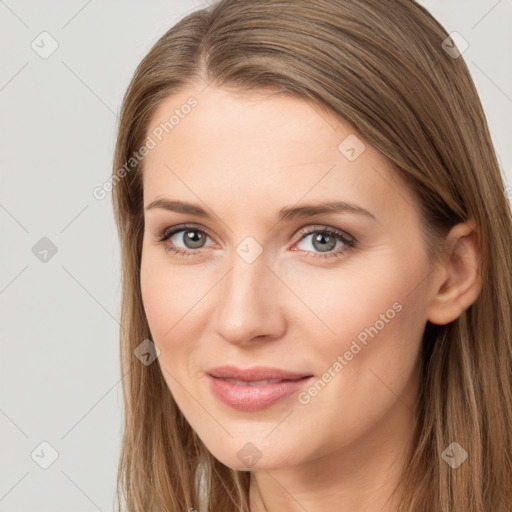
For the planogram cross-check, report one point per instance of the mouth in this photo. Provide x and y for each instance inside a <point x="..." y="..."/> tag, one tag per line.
<point x="256" y="388"/>
<point x="256" y="383"/>
<point x="255" y="374"/>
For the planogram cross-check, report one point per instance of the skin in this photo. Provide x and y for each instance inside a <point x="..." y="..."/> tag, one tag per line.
<point x="243" y="157"/>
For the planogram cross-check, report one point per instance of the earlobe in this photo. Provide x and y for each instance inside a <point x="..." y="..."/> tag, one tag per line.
<point x="460" y="279"/>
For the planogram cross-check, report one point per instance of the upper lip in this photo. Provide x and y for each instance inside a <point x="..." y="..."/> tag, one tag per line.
<point x="255" y="373"/>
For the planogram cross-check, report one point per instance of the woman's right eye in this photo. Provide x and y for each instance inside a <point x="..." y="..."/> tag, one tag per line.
<point x="191" y="237"/>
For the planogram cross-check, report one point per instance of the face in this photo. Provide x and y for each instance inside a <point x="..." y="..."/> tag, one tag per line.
<point x="338" y="297"/>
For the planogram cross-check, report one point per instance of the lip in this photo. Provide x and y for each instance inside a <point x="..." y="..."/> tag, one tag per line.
<point x="254" y="373"/>
<point x="254" y="397"/>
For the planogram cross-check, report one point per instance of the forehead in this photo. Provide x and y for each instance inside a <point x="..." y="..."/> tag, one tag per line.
<point x="265" y="148"/>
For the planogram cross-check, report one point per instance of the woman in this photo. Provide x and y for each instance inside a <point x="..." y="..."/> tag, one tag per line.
<point x="316" y="250"/>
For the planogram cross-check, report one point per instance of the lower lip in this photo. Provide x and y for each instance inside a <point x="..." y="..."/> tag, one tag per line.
<point x="254" y="398"/>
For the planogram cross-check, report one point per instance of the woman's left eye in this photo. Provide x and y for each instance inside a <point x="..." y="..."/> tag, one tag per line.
<point x="324" y="239"/>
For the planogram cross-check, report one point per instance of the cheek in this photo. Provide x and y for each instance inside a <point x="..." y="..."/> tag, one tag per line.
<point x="373" y="319"/>
<point x="164" y="310"/>
<point x="173" y="307"/>
<point x="343" y="302"/>
<point x="370" y="362"/>
<point x="166" y="293"/>
<point x="153" y="297"/>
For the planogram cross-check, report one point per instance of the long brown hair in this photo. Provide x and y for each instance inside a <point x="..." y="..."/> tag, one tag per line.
<point x="384" y="68"/>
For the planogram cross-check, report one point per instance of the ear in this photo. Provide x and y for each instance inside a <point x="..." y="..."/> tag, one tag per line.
<point x="460" y="277"/>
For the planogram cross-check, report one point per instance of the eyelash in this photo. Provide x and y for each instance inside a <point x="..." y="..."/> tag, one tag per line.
<point x="349" y="241"/>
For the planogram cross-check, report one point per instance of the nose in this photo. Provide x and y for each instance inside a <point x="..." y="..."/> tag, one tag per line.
<point x="249" y="303"/>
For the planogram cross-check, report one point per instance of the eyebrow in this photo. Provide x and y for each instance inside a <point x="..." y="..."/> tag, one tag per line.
<point x="286" y="213"/>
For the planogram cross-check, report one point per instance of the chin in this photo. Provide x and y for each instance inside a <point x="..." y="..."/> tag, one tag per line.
<point x="248" y="456"/>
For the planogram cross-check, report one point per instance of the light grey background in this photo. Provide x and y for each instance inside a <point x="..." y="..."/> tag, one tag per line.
<point x="59" y="368"/>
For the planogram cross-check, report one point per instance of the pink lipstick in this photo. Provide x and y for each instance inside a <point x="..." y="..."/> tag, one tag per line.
<point x="255" y="388"/>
